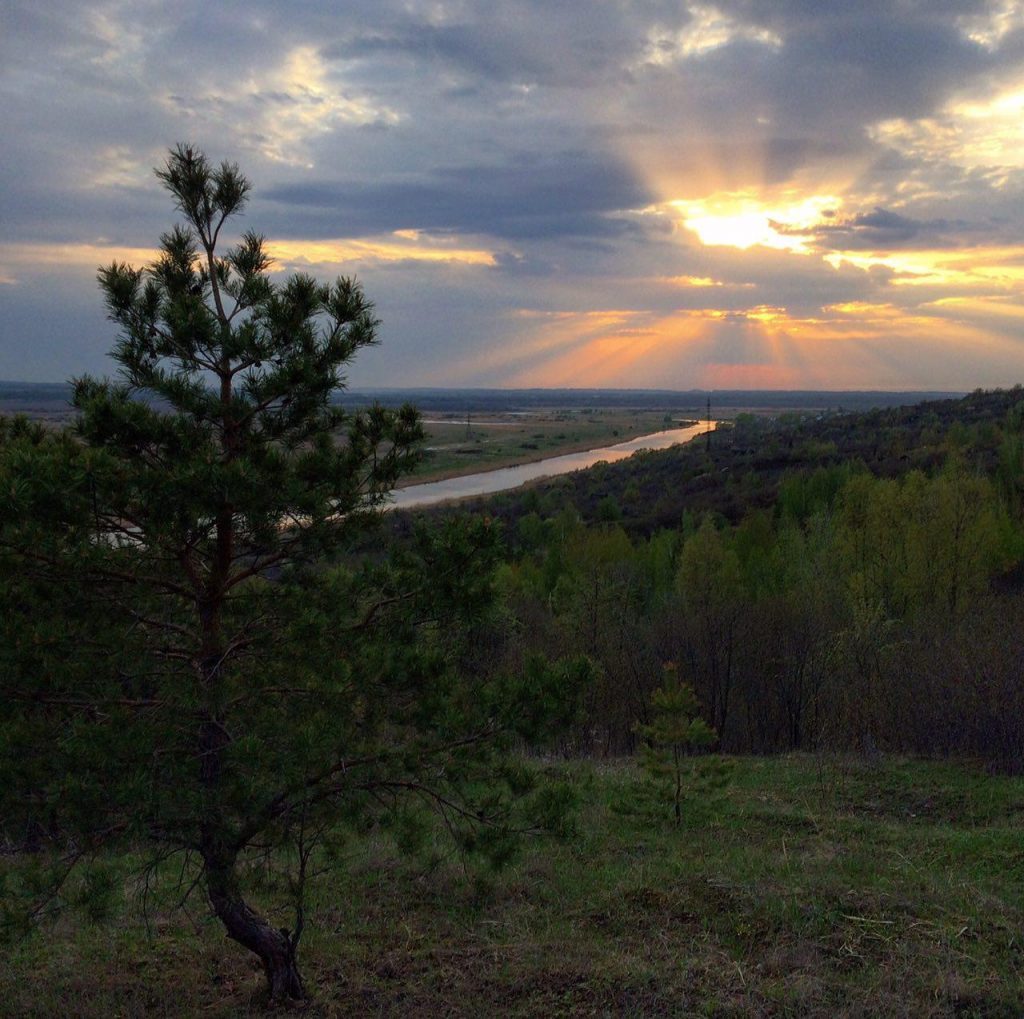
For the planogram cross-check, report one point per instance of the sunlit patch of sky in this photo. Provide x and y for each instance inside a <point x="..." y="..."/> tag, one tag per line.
<point x="745" y="219"/>
<point x="708" y="28"/>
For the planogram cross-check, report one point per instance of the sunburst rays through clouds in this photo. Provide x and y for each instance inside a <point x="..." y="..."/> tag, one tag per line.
<point x="785" y="194"/>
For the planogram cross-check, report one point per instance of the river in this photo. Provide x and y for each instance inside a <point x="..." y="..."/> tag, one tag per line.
<point x="504" y="478"/>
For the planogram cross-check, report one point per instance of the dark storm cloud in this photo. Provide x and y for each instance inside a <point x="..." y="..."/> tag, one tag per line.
<point x="511" y="264"/>
<point x="544" y="41"/>
<point x="569" y="195"/>
<point x="875" y="69"/>
<point x="882" y="229"/>
<point x="833" y="70"/>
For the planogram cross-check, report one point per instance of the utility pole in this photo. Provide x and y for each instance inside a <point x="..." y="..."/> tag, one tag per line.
<point x="708" y="433"/>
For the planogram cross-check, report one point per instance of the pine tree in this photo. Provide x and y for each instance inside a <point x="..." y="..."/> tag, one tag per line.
<point x="195" y="657"/>
<point x="674" y="733"/>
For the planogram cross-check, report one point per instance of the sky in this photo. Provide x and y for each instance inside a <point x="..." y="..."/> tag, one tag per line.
<point x="748" y="194"/>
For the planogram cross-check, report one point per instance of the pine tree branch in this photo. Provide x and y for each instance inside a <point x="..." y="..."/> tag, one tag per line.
<point x="282" y="803"/>
<point x="255" y="570"/>
<point x="89" y="702"/>
<point x="100" y="572"/>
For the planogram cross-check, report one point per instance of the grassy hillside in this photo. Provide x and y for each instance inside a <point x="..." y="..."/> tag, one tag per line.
<point x="805" y="886"/>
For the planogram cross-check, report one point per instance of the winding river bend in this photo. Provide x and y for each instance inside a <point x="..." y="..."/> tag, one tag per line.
<point x="504" y="478"/>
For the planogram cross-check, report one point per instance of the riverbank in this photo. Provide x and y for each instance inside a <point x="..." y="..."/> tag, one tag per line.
<point x="489" y="482"/>
<point x="457" y="445"/>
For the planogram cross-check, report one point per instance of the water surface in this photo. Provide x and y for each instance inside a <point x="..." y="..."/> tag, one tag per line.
<point x="504" y="478"/>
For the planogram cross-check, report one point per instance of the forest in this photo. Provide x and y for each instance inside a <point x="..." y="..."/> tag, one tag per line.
<point x="849" y="582"/>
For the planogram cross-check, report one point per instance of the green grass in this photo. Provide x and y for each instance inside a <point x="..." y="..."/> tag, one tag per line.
<point x="807" y="887"/>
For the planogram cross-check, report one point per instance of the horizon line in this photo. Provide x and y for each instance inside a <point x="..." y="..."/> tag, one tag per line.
<point x="590" y="389"/>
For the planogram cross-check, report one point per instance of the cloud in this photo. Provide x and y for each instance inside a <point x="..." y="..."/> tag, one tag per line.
<point x="885" y="230"/>
<point x="758" y="191"/>
<point x="286" y="107"/>
<point x="566" y="194"/>
<point x="707" y="29"/>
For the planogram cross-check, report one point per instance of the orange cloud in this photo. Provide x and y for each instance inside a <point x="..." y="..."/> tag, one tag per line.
<point x="332" y="255"/>
<point x="20" y="262"/>
<point x="401" y="246"/>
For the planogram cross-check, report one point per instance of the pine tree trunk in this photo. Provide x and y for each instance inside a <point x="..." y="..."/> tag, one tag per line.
<point x="275" y="948"/>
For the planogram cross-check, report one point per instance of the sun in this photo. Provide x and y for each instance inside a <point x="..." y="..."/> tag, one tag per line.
<point x="740" y="219"/>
